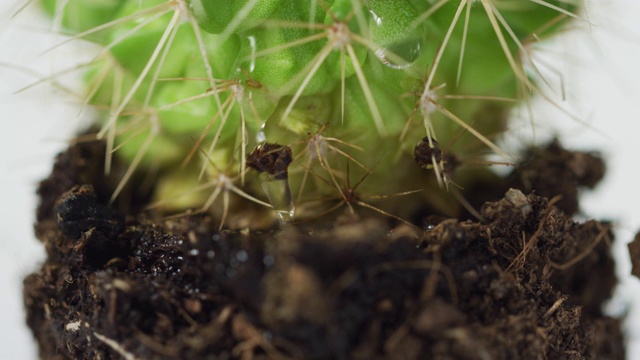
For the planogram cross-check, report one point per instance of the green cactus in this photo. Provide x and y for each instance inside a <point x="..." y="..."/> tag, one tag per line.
<point x="351" y="86"/>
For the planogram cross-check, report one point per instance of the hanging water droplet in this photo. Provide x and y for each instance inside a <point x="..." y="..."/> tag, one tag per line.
<point x="272" y="161"/>
<point x="279" y="194"/>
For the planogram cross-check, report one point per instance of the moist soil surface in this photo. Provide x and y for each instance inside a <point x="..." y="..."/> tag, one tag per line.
<point x="528" y="282"/>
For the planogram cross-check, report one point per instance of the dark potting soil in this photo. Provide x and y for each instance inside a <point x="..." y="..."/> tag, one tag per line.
<point x="527" y="283"/>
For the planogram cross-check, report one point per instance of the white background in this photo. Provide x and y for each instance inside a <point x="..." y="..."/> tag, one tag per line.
<point x="601" y="72"/>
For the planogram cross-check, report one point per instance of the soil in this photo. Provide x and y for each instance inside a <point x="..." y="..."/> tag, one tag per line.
<point x="527" y="283"/>
<point x="634" y="252"/>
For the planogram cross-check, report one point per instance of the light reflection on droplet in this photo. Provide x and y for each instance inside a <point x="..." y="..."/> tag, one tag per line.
<point x="261" y="136"/>
<point x="252" y="44"/>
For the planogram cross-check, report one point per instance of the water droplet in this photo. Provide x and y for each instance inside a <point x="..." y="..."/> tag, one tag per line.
<point x="392" y="29"/>
<point x="194" y="252"/>
<point x="279" y="194"/>
<point x="211" y="254"/>
<point x="272" y="161"/>
<point x="399" y="55"/>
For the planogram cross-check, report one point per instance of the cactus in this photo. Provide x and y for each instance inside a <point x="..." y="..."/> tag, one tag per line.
<point x="328" y="91"/>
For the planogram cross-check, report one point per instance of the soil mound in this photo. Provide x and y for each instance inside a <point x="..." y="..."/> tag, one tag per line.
<point x="527" y="283"/>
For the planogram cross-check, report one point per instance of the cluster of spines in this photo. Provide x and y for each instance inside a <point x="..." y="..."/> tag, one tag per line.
<point x="348" y="84"/>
